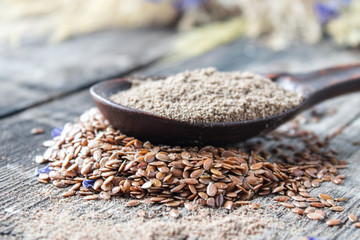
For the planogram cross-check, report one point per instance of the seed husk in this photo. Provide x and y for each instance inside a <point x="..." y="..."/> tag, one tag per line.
<point x="141" y="213"/>
<point x="300" y="204"/>
<point x="337" y="208"/>
<point x="255" y="205"/>
<point x="281" y="198"/>
<point x="333" y="222"/>
<point x="242" y="202"/>
<point x="208" y="164"/>
<point x="68" y="193"/>
<point x="337" y="181"/>
<point x="325" y="196"/>
<point x="357" y="224"/>
<point x="288" y="205"/>
<point x="298" y="211"/>
<point x="352" y="218"/>
<point x="229" y="205"/>
<point x="132" y="203"/>
<point x="190" y="206"/>
<point x="315" y="216"/>
<point x="210" y="202"/>
<point x="309" y="210"/>
<point x="174" y="213"/>
<point x="317" y="204"/>
<point x="216" y="172"/>
<point x="211" y="190"/>
<point x="321" y="212"/>
<point x="173" y="204"/>
<point x="340" y="199"/>
<point x="299" y="198"/>
<point x="40" y="159"/>
<point x="91" y="197"/>
<point x="197" y="173"/>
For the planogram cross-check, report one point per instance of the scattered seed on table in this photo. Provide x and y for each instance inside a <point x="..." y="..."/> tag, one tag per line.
<point x="37" y="130"/>
<point x="357" y="224"/>
<point x="337" y="181"/>
<point x="325" y="196"/>
<point x="255" y="205"/>
<point x="40" y="159"/>
<point x="229" y="205"/>
<point x="189" y="206"/>
<point x="317" y="204"/>
<point x="333" y="222"/>
<point x="315" y="216"/>
<point x="174" y="213"/>
<point x="321" y="212"/>
<point x="132" y="203"/>
<point x="141" y="213"/>
<point x="91" y="197"/>
<point x="337" y="208"/>
<point x="288" y="205"/>
<point x="309" y="210"/>
<point x="281" y="198"/>
<point x="298" y="211"/>
<point x="340" y="199"/>
<point x="352" y="218"/>
<point x="68" y="193"/>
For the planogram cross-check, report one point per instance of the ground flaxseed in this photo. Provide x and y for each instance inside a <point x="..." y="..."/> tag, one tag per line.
<point x="206" y="95"/>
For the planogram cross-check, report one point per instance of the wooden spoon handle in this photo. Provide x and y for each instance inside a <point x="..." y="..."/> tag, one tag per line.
<point x="326" y="83"/>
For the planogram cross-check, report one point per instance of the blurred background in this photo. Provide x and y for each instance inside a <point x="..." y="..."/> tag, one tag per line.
<point x="277" y="23"/>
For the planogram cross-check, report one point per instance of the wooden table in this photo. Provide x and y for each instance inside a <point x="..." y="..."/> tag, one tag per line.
<point x="47" y="85"/>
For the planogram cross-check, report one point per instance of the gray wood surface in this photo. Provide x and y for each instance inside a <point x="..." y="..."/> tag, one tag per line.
<point x="252" y="56"/>
<point x="19" y="188"/>
<point x="38" y="72"/>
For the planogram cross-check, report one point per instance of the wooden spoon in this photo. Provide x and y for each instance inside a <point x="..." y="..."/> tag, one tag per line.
<point x="315" y="86"/>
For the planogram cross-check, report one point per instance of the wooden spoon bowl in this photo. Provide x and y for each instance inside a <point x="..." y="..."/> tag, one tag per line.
<point x="316" y="87"/>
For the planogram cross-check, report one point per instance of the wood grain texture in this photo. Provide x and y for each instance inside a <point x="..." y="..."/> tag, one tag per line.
<point x="38" y="72"/>
<point x="20" y="190"/>
<point x="252" y="56"/>
<point x="21" y="195"/>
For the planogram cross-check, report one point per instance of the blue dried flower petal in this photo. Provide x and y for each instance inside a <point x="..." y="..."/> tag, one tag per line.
<point x="184" y="5"/>
<point x="88" y="183"/>
<point x="43" y="170"/>
<point x="329" y="10"/>
<point x="326" y="12"/>
<point x="56" y="131"/>
<point x="313" y="238"/>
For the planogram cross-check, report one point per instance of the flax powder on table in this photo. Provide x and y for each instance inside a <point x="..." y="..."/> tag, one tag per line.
<point x="208" y="96"/>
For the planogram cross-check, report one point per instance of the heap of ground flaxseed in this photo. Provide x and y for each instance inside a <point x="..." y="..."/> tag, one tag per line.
<point x="206" y="95"/>
<point x="93" y="160"/>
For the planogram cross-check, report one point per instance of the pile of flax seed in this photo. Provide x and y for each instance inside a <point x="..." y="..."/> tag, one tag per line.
<point x="93" y="160"/>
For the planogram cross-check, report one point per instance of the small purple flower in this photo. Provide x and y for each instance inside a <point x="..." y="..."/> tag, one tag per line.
<point x="184" y="5"/>
<point x="43" y="170"/>
<point x="88" y="183"/>
<point x="325" y="12"/>
<point x="312" y="238"/>
<point x="56" y="131"/>
<point x="329" y="10"/>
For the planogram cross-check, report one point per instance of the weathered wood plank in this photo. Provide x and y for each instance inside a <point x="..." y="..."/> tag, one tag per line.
<point x="18" y="183"/>
<point x="21" y="195"/>
<point x="35" y="73"/>
<point x="252" y="56"/>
